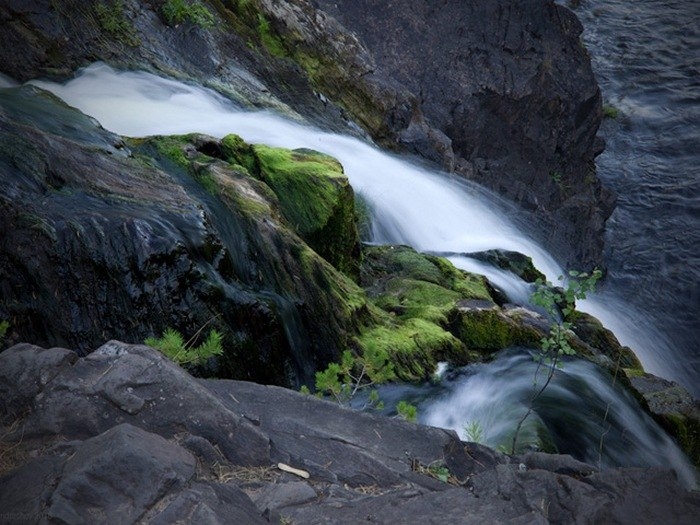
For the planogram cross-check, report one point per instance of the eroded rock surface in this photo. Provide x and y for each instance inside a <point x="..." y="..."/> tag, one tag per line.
<point x="188" y="453"/>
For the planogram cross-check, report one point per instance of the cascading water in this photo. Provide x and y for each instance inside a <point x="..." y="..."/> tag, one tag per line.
<point x="410" y="205"/>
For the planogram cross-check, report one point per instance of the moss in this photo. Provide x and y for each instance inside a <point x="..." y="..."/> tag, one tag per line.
<point x="178" y="11"/>
<point x="686" y="430"/>
<point x="272" y="42"/>
<point x="485" y="328"/>
<point x="610" y="111"/>
<point x="316" y="200"/>
<point x="238" y="152"/>
<point x="592" y="332"/>
<point x="413" y="298"/>
<point x="113" y="21"/>
<point x="415" y="346"/>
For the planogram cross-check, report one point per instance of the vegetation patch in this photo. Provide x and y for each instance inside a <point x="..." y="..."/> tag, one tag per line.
<point x="178" y="11"/>
<point x="112" y="19"/>
<point x="316" y="200"/>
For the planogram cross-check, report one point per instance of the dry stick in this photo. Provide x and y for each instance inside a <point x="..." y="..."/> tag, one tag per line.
<point x="192" y="339"/>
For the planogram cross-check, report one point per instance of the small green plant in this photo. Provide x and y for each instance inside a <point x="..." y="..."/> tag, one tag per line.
<point x="112" y="19"/>
<point x="555" y="176"/>
<point x="355" y="373"/>
<point x="178" y="11"/>
<point x="560" y="306"/>
<point x="610" y="111"/>
<point x="407" y="411"/>
<point x="4" y="327"/>
<point x="173" y="345"/>
<point x="474" y="432"/>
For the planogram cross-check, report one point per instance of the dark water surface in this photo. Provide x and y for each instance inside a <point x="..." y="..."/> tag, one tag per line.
<point x="646" y="56"/>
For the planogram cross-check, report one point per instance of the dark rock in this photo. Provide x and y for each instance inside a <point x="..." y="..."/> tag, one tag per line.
<point x="513" y="90"/>
<point x="508" y="99"/>
<point x="515" y="262"/>
<point x="25" y="372"/>
<point x="117" y="476"/>
<point x="211" y="503"/>
<point x="97" y="240"/>
<point x="674" y="408"/>
<point x="120" y="383"/>
<point x="362" y="466"/>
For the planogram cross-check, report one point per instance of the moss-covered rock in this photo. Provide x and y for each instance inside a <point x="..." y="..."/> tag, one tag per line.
<point x="460" y="320"/>
<point x="414" y="345"/>
<point x="317" y="201"/>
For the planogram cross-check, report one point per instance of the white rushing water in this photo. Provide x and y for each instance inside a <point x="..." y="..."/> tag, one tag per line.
<point x="410" y="204"/>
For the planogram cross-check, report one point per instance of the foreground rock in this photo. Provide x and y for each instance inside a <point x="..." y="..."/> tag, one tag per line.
<point x="126" y="435"/>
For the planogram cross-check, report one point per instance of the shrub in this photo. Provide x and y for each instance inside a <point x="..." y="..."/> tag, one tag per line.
<point x="173" y="345"/>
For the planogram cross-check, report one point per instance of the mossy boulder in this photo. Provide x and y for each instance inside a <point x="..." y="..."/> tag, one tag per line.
<point x="414" y="345"/>
<point x="316" y="200"/>
<point x="457" y="317"/>
<point x="484" y="326"/>
<point x="593" y="334"/>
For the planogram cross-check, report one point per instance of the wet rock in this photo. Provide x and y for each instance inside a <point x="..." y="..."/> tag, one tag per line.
<point x="120" y="383"/>
<point x="100" y="238"/>
<point x="673" y="407"/>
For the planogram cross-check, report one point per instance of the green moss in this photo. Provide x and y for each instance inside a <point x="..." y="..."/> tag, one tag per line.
<point x="415" y="346"/>
<point x="113" y="21"/>
<point x="238" y="152"/>
<point x="316" y="200"/>
<point x="178" y="11"/>
<point x="420" y="299"/>
<point x="172" y="147"/>
<point x="686" y="430"/>
<point x="486" y="329"/>
<point x="610" y="111"/>
<point x="272" y="42"/>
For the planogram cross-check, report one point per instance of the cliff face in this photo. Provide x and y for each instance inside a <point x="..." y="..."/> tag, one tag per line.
<point x="511" y="87"/>
<point x="502" y="92"/>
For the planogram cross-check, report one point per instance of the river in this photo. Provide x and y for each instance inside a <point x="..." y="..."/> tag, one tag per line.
<point x="646" y="57"/>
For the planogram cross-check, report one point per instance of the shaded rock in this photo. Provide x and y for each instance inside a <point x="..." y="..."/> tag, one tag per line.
<point x="117" y="476"/>
<point x="316" y="435"/>
<point x="281" y="495"/>
<point x="674" y="408"/>
<point x="362" y="466"/>
<point x="513" y="90"/>
<point x="133" y="243"/>
<point x="212" y="503"/>
<point x="25" y="372"/>
<point x="515" y="262"/>
<point x="120" y="383"/>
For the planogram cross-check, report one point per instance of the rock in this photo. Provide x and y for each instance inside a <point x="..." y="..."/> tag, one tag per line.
<point x="509" y="99"/>
<point x="146" y="247"/>
<point x="120" y="383"/>
<point x="362" y="466"/>
<point x="25" y="372"/>
<point x="205" y="502"/>
<point x="117" y="476"/>
<point x="673" y="407"/>
<point x="512" y="89"/>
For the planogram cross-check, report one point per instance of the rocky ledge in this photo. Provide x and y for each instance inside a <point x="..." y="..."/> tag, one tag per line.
<point x="499" y="91"/>
<point x="124" y="435"/>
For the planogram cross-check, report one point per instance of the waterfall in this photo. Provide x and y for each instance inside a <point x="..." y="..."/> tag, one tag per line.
<point x="410" y="204"/>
